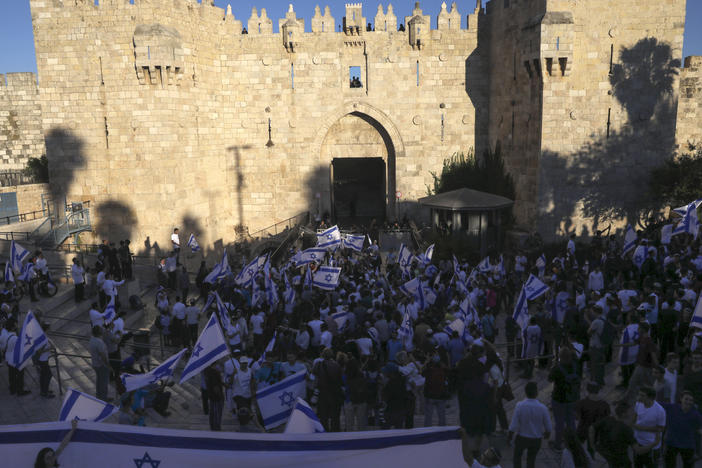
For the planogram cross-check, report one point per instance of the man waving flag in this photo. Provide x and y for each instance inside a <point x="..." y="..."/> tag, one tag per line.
<point x="165" y="369"/>
<point x="209" y="348"/>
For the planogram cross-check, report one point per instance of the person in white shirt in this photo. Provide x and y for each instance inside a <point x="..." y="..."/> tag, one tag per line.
<point x="192" y="314"/>
<point x="596" y="280"/>
<point x="256" y="322"/>
<point x="531" y="423"/>
<point x="649" y="427"/>
<point x="101" y="293"/>
<point x="109" y="287"/>
<point x="571" y="245"/>
<point x="179" y="328"/>
<point x="316" y="326"/>
<point x="175" y="242"/>
<point x="97" y="319"/>
<point x="171" y="269"/>
<point x="242" y="384"/>
<point x="78" y="276"/>
<point x="325" y="338"/>
<point x="291" y="366"/>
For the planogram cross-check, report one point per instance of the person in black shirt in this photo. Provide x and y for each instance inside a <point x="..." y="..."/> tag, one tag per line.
<point x="566" y="392"/>
<point x="612" y="437"/>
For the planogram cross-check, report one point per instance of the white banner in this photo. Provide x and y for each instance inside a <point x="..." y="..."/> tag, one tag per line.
<point x="119" y="446"/>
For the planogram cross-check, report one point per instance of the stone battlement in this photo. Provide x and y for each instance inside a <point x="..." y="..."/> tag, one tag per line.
<point x="18" y="82"/>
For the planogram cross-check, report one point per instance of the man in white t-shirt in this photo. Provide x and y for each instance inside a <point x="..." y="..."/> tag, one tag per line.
<point x="649" y="427"/>
<point x="316" y="326"/>
<point x="78" y="276"/>
<point x="256" y="322"/>
<point x="175" y="242"/>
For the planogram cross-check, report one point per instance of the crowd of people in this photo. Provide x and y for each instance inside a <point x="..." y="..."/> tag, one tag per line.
<point x="378" y="356"/>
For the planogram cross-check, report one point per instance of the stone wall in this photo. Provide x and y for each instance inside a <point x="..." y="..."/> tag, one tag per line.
<point x="20" y="121"/>
<point x="158" y="111"/>
<point x="29" y="196"/>
<point x="689" y="125"/>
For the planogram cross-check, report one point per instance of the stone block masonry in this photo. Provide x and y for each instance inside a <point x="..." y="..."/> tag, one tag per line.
<point x="21" y="134"/>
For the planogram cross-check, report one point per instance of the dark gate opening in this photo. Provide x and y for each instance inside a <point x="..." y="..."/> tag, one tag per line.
<point x="358" y="190"/>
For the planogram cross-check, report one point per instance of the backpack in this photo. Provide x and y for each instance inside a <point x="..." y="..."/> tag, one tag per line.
<point x="436" y="385"/>
<point x="608" y="332"/>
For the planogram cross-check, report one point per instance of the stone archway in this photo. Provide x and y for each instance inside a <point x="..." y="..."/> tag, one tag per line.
<point x="358" y="130"/>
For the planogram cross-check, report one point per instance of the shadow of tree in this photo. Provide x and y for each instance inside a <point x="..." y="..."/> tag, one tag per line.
<point x="116" y="220"/>
<point x="607" y="178"/>
<point x="65" y="154"/>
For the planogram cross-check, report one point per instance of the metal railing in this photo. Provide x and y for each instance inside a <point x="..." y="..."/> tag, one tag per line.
<point x="12" y="235"/>
<point x="22" y="217"/>
<point x="277" y="228"/>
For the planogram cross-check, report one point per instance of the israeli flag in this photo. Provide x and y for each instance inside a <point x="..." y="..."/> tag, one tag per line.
<point x="9" y="275"/>
<point x="640" y="255"/>
<point x="425" y="258"/>
<point x="521" y="310"/>
<point x="210" y="347"/>
<point x="31" y="339"/>
<point x="628" y="354"/>
<point x="303" y="420"/>
<point x="404" y="259"/>
<point x="271" y="289"/>
<point x="666" y="234"/>
<point x="308" y="278"/>
<point x="329" y="239"/>
<point x="341" y="319"/>
<point x="222" y="312"/>
<point x="470" y="314"/>
<point x="630" y="238"/>
<point x="501" y="267"/>
<point x="697" y="316"/>
<point x="456" y="268"/>
<point x="534" y="288"/>
<point x="192" y="243"/>
<point x="165" y="369"/>
<point x="484" y="266"/>
<point x="313" y="254"/>
<point x="431" y="271"/>
<point x="27" y="272"/>
<point x="110" y="312"/>
<point x="541" y="264"/>
<point x="247" y="275"/>
<point x="684" y="209"/>
<point x="220" y="270"/>
<point x="354" y="242"/>
<point x="83" y="407"/>
<point x="289" y="291"/>
<point x="410" y="288"/>
<point x="560" y="306"/>
<point x="277" y="401"/>
<point x="457" y="325"/>
<point x="17" y="255"/>
<point x="269" y="348"/>
<point x="405" y="332"/>
<point x="689" y="223"/>
<point x="327" y="278"/>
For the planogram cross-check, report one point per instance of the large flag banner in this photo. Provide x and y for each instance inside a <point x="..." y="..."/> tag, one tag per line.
<point x="247" y="275"/>
<point x="354" y="242"/>
<point x="329" y="239"/>
<point x="697" y="316"/>
<point x="122" y="446"/>
<point x="276" y="402"/>
<point x="220" y="270"/>
<point x="17" y="255"/>
<point x="327" y="278"/>
<point x="209" y="348"/>
<point x="303" y="420"/>
<point x="84" y="407"/>
<point x="192" y="243"/>
<point x="31" y="339"/>
<point x="313" y="254"/>
<point x="165" y="369"/>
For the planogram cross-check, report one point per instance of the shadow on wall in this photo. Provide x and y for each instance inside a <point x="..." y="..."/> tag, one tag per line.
<point x="116" y="221"/>
<point x="316" y="183"/>
<point x="65" y="153"/>
<point x="607" y="179"/>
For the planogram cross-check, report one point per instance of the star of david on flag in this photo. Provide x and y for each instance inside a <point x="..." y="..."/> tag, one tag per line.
<point x="17" y="255"/>
<point x="521" y="310"/>
<point x="31" y="339"/>
<point x="276" y="401"/>
<point x="327" y="277"/>
<point x="404" y="258"/>
<point x="354" y="242"/>
<point x="141" y="462"/>
<point x="210" y="346"/>
<point x="84" y="407"/>
<point x="249" y="272"/>
<point x="192" y="243"/>
<point x="640" y="256"/>
<point x="689" y="223"/>
<point x="534" y="288"/>
<point x="165" y="369"/>
<point x="425" y="258"/>
<point x="220" y="271"/>
<point x="313" y="254"/>
<point x="329" y="239"/>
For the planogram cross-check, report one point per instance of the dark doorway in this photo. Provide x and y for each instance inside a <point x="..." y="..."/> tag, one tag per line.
<point x="358" y="190"/>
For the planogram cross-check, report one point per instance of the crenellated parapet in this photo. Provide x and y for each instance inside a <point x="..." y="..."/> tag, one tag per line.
<point x="419" y="27"/>
<point x="448" y="20"/>
<point x="323" y="23"/>
<point x="260" y="24"/>
<point x="159" y="55"/>
<point x="292" y="28"/>
<point x="386" y="22"/>
<point x="354" y="21"/>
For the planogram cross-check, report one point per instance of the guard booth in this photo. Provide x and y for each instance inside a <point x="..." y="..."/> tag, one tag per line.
<point x="471" y="213"/>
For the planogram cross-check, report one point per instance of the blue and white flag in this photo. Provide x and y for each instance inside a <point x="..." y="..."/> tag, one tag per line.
<point x="560" y="306"/>
<point x="425" y="258"/>
<point x="410" y="287"/>
<point x="484" y="266"/>
<point x="110" y="312"/>
<point x="501" y="267"/>
<point x="271" y="288"/>
<point x="289" y="291"/>
<point x="17" y="255"/>
<point x="666" y="234"/>
<point x="83" y="407"/>
<point x="308" y="278"/>
<point x="313" y="254"/>
<point x="223" y="312"/>
<point x="31" y="339"/>
<point x="192" y="243"/>
<point x="689" y="223"/>
<point x="220" y="271"/>
<point x="628" y="354"/>
<point x="27" y="273"/>
<point x="534" y="288"/>
<point x="354" y="242"/>
<point x="521" y="310"/>
<point x="682" y="210"/>
<point x="327" y="277"/>
<point x="431" y="271"/>
<point x="541" y="264"/>
<point x="210" y="347"/>
<point x="276" y="402"/>
<point x="404" y="259"/>
<point x="9" y="275"/>
<point x="165" y="369"/>
<point x="630" y="238"/>
<point x="249" y="272"/>
<point x="697" y="316"/>
<point x="341" y="319"/>
<point x="470" y="313"/>
<point x="329" y="239"/>
<point x="269" y="348"/>
<point x="303" y="420"/>
<point x="405" y="332"/>
<point x="640" y="255"/>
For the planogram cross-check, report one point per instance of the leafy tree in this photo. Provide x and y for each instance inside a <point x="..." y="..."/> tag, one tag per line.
<point x="487" y="174"/>
<point x="678" y="180"/>
<point x="38" y="168"/>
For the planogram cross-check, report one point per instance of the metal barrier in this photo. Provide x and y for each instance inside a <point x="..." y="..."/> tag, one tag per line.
<point x="277" y="228"/>
<point x="11" y="235"/>
<point x="22" y="217"/>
